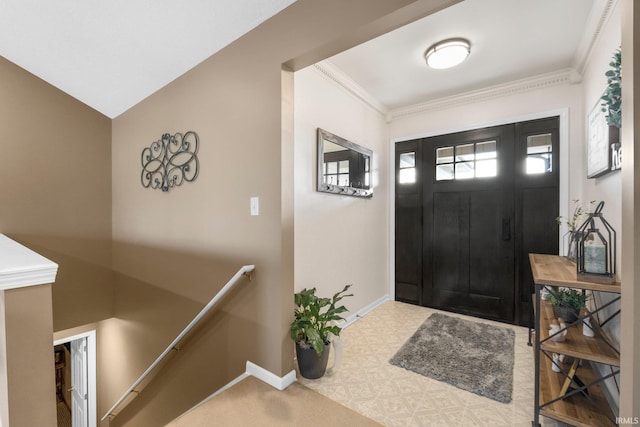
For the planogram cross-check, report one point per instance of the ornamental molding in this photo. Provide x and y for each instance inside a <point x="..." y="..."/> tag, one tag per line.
<point x="595" y="26"/>
<point x="594" y="29"/>
<point x="557" y="78"/>
<point x="344" y="82"/>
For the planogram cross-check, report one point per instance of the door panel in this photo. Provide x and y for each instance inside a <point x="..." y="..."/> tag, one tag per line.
<point x="469" y="273"/>
<point x="408" y="226"/>
<point x="488" y="198"/>
<point x="464" y="250"/>
<point x="408" y="248"/>
<point x="79" y="408"/>
<point x="450" y="236"/>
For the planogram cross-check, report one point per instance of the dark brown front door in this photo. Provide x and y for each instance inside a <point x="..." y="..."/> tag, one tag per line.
<point x="461" y="230"/>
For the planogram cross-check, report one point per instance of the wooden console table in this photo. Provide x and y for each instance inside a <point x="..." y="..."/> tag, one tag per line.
<point x="582" y="404"/>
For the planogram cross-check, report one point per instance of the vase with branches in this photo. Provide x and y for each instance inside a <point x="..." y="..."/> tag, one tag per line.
<point x="573" y="223"/>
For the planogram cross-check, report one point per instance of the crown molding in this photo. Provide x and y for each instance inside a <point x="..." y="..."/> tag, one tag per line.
<point x="556" y="78"/>
<point x="345" y="83"/>
<point x="596" y="23"/>
<point x="21" y="267"/>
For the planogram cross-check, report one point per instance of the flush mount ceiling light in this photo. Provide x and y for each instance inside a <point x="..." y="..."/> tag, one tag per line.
<point x="447" y="53"/>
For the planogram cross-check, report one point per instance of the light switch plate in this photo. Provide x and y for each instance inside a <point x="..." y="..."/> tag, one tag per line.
<point x="255" y="206"/>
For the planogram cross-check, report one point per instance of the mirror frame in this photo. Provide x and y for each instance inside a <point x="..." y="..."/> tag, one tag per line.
<point x="323" y="135"/>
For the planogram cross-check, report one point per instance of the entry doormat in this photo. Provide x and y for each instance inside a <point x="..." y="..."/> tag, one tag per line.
<point x="472" y="356"/>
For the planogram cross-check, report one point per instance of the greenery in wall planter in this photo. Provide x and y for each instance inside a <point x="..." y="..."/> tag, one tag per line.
<point x="612" y="97"/>
<point x="315" y="321"/>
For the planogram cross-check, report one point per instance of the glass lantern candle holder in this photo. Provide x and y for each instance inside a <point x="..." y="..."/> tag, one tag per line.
<point x="596" y="249"/>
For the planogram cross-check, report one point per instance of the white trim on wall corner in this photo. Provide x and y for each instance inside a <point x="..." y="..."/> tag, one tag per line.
<point x="270" y="378"/>
<point x="344" y="82"/>
<point x="21" y="267"/>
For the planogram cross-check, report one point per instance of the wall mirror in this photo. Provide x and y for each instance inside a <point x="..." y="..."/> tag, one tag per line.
<point x="343" y="167"/>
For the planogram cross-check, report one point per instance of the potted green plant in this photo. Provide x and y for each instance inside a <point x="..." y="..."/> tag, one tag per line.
<point x="567" y="302"/>
<point x="315" y="322"/>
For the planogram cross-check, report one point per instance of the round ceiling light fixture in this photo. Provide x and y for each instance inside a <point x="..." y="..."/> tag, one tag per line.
<point x="447" y="53"/>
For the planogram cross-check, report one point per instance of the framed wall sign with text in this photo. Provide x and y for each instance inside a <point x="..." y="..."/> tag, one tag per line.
<point x="598" y="151"/>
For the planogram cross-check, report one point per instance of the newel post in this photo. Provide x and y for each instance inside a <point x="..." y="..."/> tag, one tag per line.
<point x="27" y="385"/>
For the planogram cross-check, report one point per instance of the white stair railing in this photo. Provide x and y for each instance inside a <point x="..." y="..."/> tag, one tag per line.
<point x="140" y="383"/>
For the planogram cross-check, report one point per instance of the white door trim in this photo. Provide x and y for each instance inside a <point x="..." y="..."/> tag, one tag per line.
<point x="91" y="371"/>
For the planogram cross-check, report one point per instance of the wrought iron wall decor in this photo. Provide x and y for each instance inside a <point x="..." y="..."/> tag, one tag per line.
<point x="170" y="161"/>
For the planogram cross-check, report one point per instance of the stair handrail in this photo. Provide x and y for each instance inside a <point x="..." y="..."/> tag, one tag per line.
<point x="244" y="270"/>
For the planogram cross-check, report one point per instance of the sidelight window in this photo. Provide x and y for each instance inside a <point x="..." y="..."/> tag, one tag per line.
<point x="539" y="154"/>
<point x="407" y="169"/>
<point x="468" y="161"/>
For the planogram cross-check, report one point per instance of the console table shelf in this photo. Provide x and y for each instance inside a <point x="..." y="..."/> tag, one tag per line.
<point x="594" y="348"/>
<point x="571" y="408"/>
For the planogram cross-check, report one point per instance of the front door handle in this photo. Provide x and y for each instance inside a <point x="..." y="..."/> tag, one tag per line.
<point x="506" y="229"/>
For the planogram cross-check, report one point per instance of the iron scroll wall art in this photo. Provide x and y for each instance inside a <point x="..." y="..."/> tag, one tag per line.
<point x="170" y="161"/>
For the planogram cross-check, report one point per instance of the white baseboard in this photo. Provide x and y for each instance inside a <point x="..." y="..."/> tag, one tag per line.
<point x="270" y="378"/>
<point x="362" y="312"/>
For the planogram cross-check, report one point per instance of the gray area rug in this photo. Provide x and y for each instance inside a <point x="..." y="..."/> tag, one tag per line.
<point x="473" y="356"/>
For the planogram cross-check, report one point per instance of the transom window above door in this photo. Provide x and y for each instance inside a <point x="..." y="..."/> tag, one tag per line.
<point x="467" y="161"/>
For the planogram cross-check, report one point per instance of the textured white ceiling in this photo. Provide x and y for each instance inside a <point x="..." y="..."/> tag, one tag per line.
<point x="510" y="40"/>
<point x="111" y="54"/>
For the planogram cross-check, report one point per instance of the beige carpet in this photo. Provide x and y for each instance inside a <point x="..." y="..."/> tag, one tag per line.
<point x="64" y="416"/>
<point x="254" y="403"/>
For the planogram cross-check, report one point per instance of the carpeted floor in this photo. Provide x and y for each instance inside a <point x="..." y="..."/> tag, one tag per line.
<point x="64" y="415"/>
<point x="472" y="356"/>
<point x="254" y="403"/>
<point x="366" y="382"/>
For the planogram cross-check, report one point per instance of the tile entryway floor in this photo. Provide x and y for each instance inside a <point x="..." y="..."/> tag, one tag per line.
<point x="366" y="382"/>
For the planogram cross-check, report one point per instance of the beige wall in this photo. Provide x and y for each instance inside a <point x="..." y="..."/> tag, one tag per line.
<point x="630" y="334"/>
<point x="339" y="240"/>
<point x="171" y="252"/>
<point x="55" y="186"/>
<point x="233" y="101"/>
<point x="4" y="391"/>
<point x="28" y="354"/>
<point x="607" y="188"/>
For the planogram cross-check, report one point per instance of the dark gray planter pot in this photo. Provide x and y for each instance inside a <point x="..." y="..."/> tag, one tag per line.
<point x="569" y="314"/>
<point x="311" y="364"/>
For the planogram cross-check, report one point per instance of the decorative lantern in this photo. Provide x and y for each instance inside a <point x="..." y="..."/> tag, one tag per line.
<point x="596" y="251"/>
